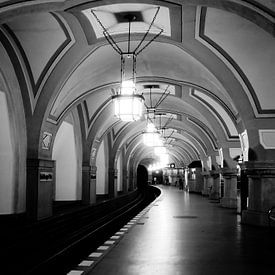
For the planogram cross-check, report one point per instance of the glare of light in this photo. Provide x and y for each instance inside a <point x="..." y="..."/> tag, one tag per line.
<point x="160" y="150"/>
<point x="152" y="139"/>
<point x="151" y="128"/>
<point x="128" y="108"/>
<point x="127" y="87"/>
<point x="164" y="159"/>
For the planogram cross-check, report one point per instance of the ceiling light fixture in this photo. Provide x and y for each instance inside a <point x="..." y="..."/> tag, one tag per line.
<point x="151" y="137"/>
<point x="152" y="108"/>
<point x="128" y="101"/>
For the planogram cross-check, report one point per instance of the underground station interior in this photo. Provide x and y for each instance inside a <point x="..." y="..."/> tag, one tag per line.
<point x="137" y="137"/>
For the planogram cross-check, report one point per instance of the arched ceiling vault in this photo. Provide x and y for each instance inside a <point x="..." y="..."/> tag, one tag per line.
<point x="216" y="57"/>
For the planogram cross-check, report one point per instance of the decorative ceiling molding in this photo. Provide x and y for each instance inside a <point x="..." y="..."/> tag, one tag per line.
<point x="217" y="114"/>
<point x="18" y="65"/>
<point x="171" y="11"/>
<point x="36" y="86"/>
<point x="206" y="130"/>
<point x="267" y="138"/>
<point x="238" y="72"/>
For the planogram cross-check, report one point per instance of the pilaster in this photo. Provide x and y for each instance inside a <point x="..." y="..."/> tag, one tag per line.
<point x="214" y="183"/>
<point x="40" y="188"/>
<point x="261" y="191"/>
<point x="86" y="170"/>
<point x="125" y="180"/>
<point x="93" y="184"/>
<point x="229" y="200"/>
<point x="205" y="189"/>
<point x="112" y="183"/>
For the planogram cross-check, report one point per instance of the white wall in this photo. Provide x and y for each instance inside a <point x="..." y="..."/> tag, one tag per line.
<point x="64" y="153"/>
<point x="6" y="160"/>
<point x="101" y="172"/>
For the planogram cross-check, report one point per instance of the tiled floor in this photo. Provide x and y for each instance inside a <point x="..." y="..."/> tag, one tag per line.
<point x="187" y="234"/>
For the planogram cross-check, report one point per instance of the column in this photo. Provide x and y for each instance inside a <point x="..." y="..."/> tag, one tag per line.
<point x="125" y="180"/>
<point x="86" y="171"/>
<point x="261" y="191"/>
<point x="205" y="189"/>
<point x="199" y="181"/>
<point x="93" y="184"/>
<point x="191" y="180"/>
<point x="40" y="188"/>
<point x="112" y="183"/>
<point x="229" y="199"/>
<point x="131" y="183"/>
<point x="215" y="182"/>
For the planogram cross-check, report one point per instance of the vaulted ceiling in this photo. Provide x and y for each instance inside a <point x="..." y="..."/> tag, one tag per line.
<point x="216" y="58"/>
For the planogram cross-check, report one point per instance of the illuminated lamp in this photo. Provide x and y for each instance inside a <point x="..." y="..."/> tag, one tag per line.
<point x="128" y="102"/>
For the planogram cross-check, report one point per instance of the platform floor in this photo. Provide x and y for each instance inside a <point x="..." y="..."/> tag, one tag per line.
<point x="187" y="234"/>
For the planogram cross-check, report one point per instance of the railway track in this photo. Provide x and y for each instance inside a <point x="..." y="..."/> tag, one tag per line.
<point x="54" y="245"/>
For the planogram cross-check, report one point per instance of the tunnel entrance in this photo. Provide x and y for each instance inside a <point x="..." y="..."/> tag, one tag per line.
<point x="142" y="177"/>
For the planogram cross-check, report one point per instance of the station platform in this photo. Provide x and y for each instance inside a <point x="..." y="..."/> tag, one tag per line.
<point x="184" y="234"/>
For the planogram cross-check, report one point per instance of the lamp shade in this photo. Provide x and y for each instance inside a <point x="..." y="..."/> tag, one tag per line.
<point x="128" y="107"/>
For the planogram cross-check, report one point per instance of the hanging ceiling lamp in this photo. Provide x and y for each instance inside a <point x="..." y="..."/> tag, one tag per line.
<point x="151" y="108"/>
<point x="151" y="137"/>
<point x="154" y="137"/>
<point x="127" y="101"/>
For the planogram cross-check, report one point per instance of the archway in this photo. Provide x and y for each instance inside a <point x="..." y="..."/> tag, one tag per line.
<point x="142" y="177"/>
<point x="6" y="160"/>
<point x="65" y="155"/>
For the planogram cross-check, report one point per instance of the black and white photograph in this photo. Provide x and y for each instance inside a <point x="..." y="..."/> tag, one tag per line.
<point x="137" y="137"/>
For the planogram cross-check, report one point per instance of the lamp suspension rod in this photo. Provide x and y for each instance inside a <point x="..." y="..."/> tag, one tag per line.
<point x="129" y="35"/>
<point x="170" y="134"/>
<point x="169" y="142"/>
<point x="152" y="40"/>
<point x="163" y="96"/>
<point x="107" y="35"/>
<point x="168" y="121"/>
<point x="151" y="102"/>
<point x="152" y="120"/>
<point x="146" y="105"/>
<point x="112" y="42"/>
<point x="137" y="51"/>
<point x="160" y="121"/>
<point x="151" y="98"/>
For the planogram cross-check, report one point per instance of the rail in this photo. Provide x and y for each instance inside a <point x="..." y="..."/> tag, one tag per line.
<point x="53" y="246"/>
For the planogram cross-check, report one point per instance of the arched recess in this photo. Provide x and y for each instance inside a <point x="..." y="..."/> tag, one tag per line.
<point x="13" y="140"/>
<point x="12" y="162"/>
<point x="7" y="160"/>
<point x="67" y="154"/>
<point x="102" y="168"/>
